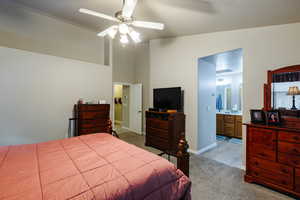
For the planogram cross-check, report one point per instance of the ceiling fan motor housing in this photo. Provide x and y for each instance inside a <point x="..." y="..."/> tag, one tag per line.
<point x="120" y="17"/>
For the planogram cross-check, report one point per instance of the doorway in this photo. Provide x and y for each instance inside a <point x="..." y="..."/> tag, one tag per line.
<point x="220" y="107"/>
<point x="127" y="107"/>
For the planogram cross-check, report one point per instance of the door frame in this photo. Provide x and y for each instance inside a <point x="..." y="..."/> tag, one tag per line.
<point x="113" y="104"/>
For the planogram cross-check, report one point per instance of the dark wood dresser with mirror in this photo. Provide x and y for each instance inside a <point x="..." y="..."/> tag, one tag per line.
<point x="273" y="152"/>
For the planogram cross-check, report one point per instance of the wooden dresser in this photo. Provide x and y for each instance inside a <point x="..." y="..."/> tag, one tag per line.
<point x="273" y="157"/>
<point x="229" y="125"/>
<point x="91" y="118"/>
<point x="164" y="130"/>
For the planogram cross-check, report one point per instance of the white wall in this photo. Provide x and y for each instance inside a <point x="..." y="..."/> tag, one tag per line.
<point x="31" y="30"/>
<point x="142" y="73"/>
<point x="131" y="64"/>
<point x="38" y="93"/>
<point x="173" y="62"/>
<point x="123" y="63"/>
<point x="206" y="104"/>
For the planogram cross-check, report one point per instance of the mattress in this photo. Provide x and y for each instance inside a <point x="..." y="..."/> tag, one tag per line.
<point x="90" y="167"/>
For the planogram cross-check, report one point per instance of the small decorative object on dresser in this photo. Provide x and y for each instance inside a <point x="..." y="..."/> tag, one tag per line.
<point x="258" y="116"/>
<point x="273" y="117"/>
<point x="293" y="91"/>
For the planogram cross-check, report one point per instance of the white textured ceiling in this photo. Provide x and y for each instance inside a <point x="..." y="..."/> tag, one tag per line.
<point x="182" y="17"/>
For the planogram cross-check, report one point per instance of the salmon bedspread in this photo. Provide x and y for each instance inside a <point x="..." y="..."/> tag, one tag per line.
<point x="90" y="167"/>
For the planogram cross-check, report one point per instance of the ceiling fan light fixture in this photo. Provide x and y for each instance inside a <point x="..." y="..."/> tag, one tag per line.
<point x="124" y="39"/>
<point x="125" y="23"/>
<point x="113" y="32"/>
<point x="123" y="28"/>
<point x="135" y="36"/>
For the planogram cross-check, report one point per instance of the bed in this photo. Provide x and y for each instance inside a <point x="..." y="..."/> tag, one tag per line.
<point x="89" y="167"/>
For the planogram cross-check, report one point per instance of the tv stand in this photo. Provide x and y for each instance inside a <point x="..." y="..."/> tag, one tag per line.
<point x="166" y="132"/>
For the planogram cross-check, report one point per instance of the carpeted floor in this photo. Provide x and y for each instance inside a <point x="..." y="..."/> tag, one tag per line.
<point x="212" y="180"/>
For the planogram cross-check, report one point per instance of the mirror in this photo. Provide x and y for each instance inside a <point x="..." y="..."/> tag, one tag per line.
<point x="229" y="98"/>
<point x="282" y="92"/>
<point x="283" y="100"/>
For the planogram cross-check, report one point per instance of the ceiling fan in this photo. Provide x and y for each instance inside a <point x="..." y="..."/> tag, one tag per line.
<point x="125" y="22"/>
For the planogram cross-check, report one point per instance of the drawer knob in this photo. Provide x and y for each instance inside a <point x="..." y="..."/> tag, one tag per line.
<point x="295" y="162"/>
<point x="295" y="150"/>
<point x="262" y="154"/>
<point x="296" y="138"/>
<point x="283" y="182"/>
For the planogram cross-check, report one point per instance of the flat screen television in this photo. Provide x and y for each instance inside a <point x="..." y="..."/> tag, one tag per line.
<point x="168" y="98"/>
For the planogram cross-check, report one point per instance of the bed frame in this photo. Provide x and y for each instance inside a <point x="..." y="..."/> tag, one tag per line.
<point x="182" y="155"/>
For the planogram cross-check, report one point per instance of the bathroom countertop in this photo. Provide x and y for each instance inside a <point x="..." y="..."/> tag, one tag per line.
<point x="223" y="112"/>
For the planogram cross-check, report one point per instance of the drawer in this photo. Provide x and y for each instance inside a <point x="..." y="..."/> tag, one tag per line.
<point x="264" y="137"/>
<point x="93" y="123"/>
<point x="229" y="118"/>
<point x="94" y="107"/>
<point x="291" y="148"/>
<point x="157" y="142"/>
<point x="288" y="159"/>
<point x="261" y="152"/>
<point x="269" y="176"/>
<point x="229" y="125"/>
<point x="159" y="124"/>
<point x="229" y="129"/>
<point x="272" y="166"/>
<point x="238" y="119"/>
<point x="289" y="137"/>
<point x="94" y="115"/>
<point x="157" y="133"/>
<point x="297" y="180"/>
<point x="93" y="130"/>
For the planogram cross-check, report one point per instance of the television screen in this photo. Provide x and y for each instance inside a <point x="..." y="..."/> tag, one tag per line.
<point x="167" y="98"/>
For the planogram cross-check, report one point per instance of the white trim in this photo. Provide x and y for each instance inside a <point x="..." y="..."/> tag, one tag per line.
<point x="193" y="151"/>
<point x="129" y="129"/>
<point x="243" y="167"/>
<point x="211" y="146"/>
<point x="118" y="122"/>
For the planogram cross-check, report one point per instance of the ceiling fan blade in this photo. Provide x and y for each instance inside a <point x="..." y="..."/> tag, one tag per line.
<point x="111" y="30"/>
<point x="151" y="25"/>
<point x="90" y="12"/>
<point x="128" y="8"/>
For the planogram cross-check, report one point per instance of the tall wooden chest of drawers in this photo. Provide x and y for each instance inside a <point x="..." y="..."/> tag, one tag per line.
<point x="273" y="157"/>
<point x="91" y="118"/>
<point x="164" y="130"/>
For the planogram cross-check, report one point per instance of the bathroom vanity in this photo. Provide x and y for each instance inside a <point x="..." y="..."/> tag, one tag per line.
<point x="229" y="124"/>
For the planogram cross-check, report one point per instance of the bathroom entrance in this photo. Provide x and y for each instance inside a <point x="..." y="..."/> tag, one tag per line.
<point x="220" y="107"/>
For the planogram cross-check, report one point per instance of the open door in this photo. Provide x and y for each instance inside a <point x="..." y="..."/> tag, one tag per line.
<point x="136" y="108"/>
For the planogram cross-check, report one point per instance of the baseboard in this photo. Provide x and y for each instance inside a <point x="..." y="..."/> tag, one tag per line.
<point x="193" y="151"/>
<point x="118" y="122"/>
<point x="131" y="130"/>
<point x="200" y="151"/>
